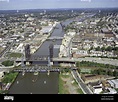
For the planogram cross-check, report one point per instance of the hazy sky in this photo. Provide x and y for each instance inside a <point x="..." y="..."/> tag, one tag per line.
<point x="38" y="4"/>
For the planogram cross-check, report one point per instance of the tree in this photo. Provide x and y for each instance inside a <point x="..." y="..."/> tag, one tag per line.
<point x="109" y="48"/>
<point x="98" y="48"/>
<point x="103" y="48"/>
<point x="9" y="77"/>
<point x="110" y="73"/>
<point x="115" y="73"/>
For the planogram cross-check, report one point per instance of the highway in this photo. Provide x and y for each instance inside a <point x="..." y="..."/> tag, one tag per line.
<point x="90" y="59"/>
<point x="81" y="83"/>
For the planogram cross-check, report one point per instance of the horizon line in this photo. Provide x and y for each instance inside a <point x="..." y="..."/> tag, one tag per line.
<point x="61" y="8"/>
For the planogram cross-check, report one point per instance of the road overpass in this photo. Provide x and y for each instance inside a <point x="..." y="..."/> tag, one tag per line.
<point x="90" y="59"/>
<point x="74" y="60"/>
<point x="55" y="38"/>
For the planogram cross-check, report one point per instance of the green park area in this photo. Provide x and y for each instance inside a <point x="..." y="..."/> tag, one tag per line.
<point x="8" y="63"/>
<point x="16" y="55"/>
<point x="9" y="77"/>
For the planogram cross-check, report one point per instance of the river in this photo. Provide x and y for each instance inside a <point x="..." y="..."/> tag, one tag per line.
<point x="44" y="84"/>
<point x="58" y="31"/>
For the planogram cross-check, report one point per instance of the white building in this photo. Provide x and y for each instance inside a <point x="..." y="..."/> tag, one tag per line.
<point x="112" y="91"/>
<point x="0" y="39"/>
<point x="79" y="23"/>
<point x="113" y="83"/>
<point x="71" y="33"/>
<point x="82" y="52"/>
<point x="46" y="29"/>
<point x="96" y="87"/>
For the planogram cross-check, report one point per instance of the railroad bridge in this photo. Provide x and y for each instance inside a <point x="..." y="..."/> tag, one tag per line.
<point x="41" y="60"/>
<point x="37" y="69"/>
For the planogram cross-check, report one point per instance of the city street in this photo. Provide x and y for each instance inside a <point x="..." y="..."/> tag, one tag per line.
<point x="80" y="82"/>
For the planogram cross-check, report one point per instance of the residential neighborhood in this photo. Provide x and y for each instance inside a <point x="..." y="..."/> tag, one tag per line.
<point x="59" y="50"/>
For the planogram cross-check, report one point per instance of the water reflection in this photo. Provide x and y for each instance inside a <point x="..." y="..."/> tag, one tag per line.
<point x="35" y="84"/>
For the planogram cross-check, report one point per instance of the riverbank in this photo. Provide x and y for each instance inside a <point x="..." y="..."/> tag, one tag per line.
<point x="7" y="81"/>
<point x="67" y="84"/>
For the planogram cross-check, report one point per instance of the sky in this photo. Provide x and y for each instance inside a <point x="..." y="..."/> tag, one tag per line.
<point x="50" y="4"/>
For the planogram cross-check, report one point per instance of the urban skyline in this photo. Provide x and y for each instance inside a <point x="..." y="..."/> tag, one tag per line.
<point x="50" y="4"/>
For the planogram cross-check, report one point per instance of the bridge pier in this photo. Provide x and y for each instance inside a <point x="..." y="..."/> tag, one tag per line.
<point x="51" y="63"/>
<point x="27" y="63"/>
<point x="48" y="73"/>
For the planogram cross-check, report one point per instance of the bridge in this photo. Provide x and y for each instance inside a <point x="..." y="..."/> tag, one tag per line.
<point x="36" y="68"/>
<point x="34" y="58"/>
<point x="45" y="58"/>
<point x="45" y="61"/>
<point x="31" y="69"/>
<point x="57" y="46"/>
<point x="41" y="60"/>
<point x="55" y="38"/>
<point x="64" y="59"/>
<point x="38" y="58"/>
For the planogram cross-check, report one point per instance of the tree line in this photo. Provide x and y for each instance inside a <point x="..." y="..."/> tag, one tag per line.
<point x="101" y="69"/>
<point x="94" y="64"/>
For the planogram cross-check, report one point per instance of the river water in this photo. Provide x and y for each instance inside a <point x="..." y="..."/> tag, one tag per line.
<point x="35" y="84"/>
<point x="44" y="49"/>
<point x="44" y="84"/>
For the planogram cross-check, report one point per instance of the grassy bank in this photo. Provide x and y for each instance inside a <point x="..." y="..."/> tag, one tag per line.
<point x="62" y="89"/>
<point x="68" y="85"/>
<point x="9" y="77"/>
<point x="79" y="89"/>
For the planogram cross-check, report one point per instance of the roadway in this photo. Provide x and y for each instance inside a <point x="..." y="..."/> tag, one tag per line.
<point x="6" y="49"/>
<point x="83" y="86"/>
<point x="90" y="59"/>
<point x="71" y="60"/>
